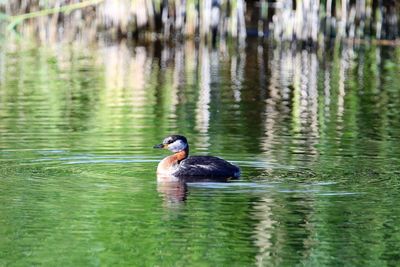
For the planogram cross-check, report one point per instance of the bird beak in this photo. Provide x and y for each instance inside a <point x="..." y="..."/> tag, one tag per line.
<point x="159" y="146"/>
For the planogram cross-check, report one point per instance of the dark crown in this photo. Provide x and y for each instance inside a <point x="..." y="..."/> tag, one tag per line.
<point x="172" y="138"/>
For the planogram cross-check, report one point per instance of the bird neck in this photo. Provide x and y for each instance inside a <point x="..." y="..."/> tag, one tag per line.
<point x="169" y="163"/>
<point x="181" y="155"/>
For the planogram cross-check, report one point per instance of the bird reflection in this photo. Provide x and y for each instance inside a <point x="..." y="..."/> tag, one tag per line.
<point x="172" y="192"/>
<point x="175" y="192"/>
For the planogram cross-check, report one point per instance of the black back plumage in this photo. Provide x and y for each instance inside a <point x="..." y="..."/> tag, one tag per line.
<point x="206" y="167"/>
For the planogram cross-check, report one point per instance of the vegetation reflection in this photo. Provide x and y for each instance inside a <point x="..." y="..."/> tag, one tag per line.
<point x="314" y="132"/>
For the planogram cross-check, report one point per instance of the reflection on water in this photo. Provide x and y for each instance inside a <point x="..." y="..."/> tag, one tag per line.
<point x="316" y="134"/>
<point x="172" y="192"/>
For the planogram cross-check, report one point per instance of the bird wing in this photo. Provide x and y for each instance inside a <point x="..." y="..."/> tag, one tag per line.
<point x="206" y="166"/>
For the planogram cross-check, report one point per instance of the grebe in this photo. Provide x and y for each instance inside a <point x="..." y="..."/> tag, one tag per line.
<point x="180" y="165"/>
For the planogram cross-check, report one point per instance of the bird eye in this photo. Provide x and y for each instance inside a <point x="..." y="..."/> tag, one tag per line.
<point x="169" y="141"/>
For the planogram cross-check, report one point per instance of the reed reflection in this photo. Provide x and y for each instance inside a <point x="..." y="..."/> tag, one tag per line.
<point x="281" y="100"/>
<point x="298" y="98"/>
<point x="203" y="103"/>
<point x="263" y="231"/>
<point x="127" y="74"/>
<point x="292" y="104"/>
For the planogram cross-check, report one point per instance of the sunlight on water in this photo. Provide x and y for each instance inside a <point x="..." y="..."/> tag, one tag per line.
<point x="316" y="135"/>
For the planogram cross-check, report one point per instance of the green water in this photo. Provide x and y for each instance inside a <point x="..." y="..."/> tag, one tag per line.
<point x="317" y="136"/>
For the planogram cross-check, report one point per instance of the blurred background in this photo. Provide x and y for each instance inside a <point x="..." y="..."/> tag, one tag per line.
<point x="310" y="21"/>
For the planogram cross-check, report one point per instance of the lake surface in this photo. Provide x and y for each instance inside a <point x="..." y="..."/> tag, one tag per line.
<point x="316" y="134"/>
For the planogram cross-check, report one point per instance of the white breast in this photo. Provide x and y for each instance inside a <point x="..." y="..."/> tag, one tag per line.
<point x="165" y="167"/>
<point x="165" y="171"/>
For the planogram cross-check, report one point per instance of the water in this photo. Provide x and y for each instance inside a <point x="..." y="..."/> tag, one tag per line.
<point x="315" y="134"/>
